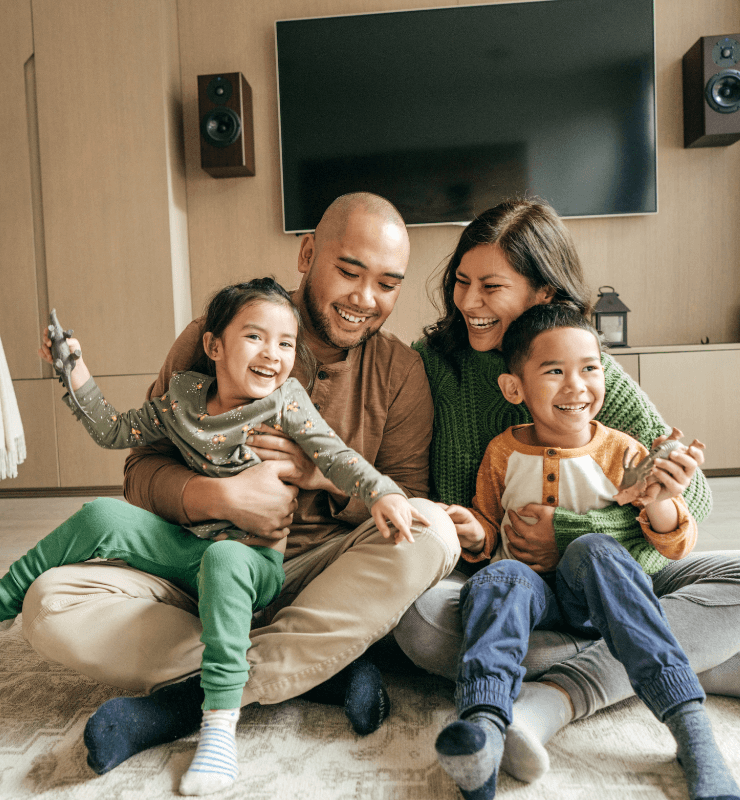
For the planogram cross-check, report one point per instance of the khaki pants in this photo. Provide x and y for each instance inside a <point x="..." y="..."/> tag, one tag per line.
<point x="133" y="630"/>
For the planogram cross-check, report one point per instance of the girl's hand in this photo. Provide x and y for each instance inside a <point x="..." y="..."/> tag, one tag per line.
<point x="469" y="531"/>
<point x="400" y="513"/>
<point x="80" y="374"/>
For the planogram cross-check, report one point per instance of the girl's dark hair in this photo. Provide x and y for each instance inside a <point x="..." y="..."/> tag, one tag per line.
<point x="517" y="341"/>
<point x="229" y="301"/>
<point x="536" y="244"/>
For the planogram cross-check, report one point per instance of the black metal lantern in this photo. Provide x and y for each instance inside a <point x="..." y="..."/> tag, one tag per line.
<point x="610" y="317"/>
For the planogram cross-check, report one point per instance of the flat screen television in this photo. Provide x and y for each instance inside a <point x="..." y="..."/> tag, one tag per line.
<point x="446" y="111"/>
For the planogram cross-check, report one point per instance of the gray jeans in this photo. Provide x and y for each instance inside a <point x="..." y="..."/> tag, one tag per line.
<point x="700" y="595"/>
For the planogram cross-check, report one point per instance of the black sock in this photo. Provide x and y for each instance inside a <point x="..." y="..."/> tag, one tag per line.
<point x="124" y="726"/>
<point x="359" y="688"/>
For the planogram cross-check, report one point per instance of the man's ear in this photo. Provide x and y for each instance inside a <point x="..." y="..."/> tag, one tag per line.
<point x="511" y="388"/>
<point x="306" y="252"/>
<point x="212" y="346"/>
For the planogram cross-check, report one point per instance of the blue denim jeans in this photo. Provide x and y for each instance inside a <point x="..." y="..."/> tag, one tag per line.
<point x="597" y="591"/>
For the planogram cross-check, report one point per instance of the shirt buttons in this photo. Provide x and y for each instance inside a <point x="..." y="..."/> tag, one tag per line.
<point x="550" y="499"/>
<point x="551" y="477"/>
<point x="552" y="452"/>
<point x="322" y="376"/>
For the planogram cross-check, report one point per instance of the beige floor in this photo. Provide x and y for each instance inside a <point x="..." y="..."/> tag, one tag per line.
<point x="24" y="521"/>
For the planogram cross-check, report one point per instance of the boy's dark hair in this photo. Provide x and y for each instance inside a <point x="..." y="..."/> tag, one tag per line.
<point x="226" y="303"/>
<point x="522" y="332"/>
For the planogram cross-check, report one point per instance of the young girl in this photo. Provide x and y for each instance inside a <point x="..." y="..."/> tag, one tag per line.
<point x="251" y="337"/>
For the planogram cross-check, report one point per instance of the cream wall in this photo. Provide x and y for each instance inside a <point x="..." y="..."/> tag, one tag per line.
<point x="678" y="271"/>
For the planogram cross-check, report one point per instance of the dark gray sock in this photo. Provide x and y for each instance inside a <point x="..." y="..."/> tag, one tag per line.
<point x="360" y="689"/>
<point x="470" y="750"/>
<point x="706" y="772"/>
<point x="124" y="726"/>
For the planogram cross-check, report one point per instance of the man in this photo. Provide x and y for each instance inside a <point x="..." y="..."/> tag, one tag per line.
<point x="346" y="586"/>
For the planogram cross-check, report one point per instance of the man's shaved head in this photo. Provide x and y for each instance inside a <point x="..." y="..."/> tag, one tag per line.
<point x="353" y="267"/>
<point x="334" y="221"/>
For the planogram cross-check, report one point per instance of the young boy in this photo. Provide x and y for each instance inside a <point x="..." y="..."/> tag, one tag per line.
<point x="601" y="587"/>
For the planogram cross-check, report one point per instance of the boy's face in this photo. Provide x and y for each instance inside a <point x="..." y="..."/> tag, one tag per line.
<point x="562" y="383"/>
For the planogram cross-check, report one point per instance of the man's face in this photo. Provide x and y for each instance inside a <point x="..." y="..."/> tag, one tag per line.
<point x="351" y="281"/>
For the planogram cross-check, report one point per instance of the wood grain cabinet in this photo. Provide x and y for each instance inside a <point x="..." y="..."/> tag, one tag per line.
<point x="695" y="388"/>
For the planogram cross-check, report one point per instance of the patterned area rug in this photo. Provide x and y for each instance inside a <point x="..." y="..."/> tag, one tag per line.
<point x="298" y="749"/>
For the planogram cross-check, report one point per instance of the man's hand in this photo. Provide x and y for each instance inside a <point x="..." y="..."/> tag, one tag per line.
<point x="469" y="531"/>
<point x="534" y="544"/>
<point x="256" y="500"/>
<point x="400" y="513"/>
<point x="272" y="445"/>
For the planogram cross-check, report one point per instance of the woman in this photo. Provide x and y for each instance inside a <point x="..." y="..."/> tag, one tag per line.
<point x="510" y="258"/>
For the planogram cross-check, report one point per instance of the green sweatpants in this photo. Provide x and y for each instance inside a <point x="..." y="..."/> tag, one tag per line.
<point x="230" y="579"/>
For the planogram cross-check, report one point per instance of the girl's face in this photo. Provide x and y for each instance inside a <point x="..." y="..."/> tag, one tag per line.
<point x="256" y="352"/>
<point x="490" y="295"/>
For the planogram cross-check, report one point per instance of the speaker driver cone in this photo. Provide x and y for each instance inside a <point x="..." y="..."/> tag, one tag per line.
<point x="723" y="91"/>
<point x="221" y="127"/>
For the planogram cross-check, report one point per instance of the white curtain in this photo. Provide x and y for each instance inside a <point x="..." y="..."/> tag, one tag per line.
<point x="12" y="440"/>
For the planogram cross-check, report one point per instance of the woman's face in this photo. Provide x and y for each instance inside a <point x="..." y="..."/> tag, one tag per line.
<point x="490" y="295"/>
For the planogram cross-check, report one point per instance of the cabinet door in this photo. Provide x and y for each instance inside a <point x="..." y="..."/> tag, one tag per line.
<point x="698" y="393"/>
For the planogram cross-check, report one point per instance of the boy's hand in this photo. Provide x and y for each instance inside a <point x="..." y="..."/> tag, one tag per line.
<point x="469" y="530"/>
<point x="671" y="476"/>
<point x="400" y="513"/>
<point x="80" y="374"/>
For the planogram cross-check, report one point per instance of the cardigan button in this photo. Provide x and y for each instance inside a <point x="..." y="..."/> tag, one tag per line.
<point x="551" y="477"/>
<point x="322" y="376"/>
<point x="552" y="452"/>
<point x="550" y="499"/>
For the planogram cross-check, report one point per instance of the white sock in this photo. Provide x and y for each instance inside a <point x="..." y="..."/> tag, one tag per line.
<point x="214" y="764"/>
<point x="540" y="712"/>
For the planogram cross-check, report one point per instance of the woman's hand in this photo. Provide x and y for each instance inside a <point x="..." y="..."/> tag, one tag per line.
<point x="272" y="445"/>
<point x="469" y="531"/>
<point x="534" y="544"/>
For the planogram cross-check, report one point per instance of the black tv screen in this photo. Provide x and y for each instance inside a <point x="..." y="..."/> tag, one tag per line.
<point x="447" y="111"/>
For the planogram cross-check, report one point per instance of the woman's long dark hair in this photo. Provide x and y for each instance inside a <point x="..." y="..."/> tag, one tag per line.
<point x="536" y="244"/>
<point x="229" y="301"/>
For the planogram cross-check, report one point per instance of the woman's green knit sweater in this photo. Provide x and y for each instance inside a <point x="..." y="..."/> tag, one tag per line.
<point x="469" y="410"/>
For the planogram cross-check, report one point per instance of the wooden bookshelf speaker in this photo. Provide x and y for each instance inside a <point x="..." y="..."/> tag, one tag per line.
<point x="226" y="127"/>
<point x="711" y="91"/>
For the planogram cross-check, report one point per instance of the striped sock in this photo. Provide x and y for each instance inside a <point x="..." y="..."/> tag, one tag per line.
<point x="214" y="764"/>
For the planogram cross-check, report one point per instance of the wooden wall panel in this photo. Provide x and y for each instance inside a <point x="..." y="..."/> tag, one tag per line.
<point x="100" y="71"/>
<point x="677" y="270"/>
<point x="81" y="461"/>
<point x="19" y="319"/>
